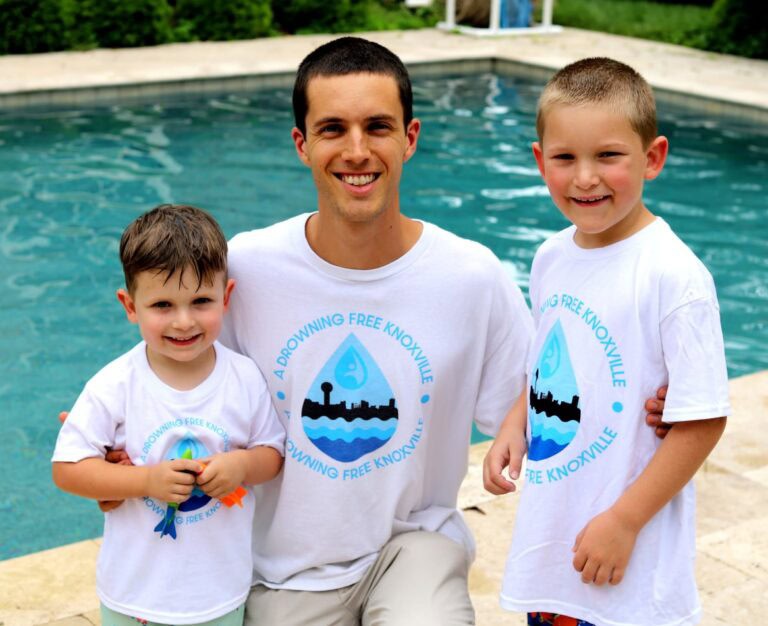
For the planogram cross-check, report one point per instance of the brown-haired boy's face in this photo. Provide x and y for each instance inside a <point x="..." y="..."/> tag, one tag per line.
<point x="356" y="144"/>
<point x="178" y="320"/>
<point x="595" y="165"/>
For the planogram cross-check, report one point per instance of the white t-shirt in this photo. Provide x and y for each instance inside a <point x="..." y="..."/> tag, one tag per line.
<point x="206" y="571"/>
<point x="613" y="324"/>
<point x="377" y="375"/>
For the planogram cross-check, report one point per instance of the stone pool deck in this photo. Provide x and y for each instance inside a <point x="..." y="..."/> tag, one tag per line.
<point x="56" y="587"/>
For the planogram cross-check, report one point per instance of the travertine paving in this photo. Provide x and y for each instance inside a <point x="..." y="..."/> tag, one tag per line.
<point x="57" y="586"/>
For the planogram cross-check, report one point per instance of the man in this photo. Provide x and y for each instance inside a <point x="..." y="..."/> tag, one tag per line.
<point x="381" y="337"/>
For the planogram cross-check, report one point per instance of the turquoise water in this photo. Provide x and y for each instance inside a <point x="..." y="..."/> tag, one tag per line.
<point x="70" y="180"/>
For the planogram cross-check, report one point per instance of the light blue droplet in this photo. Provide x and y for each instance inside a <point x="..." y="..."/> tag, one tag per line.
<point x="424" y="399"/>
<point x="618" y="407"/>
<point x="280" y="395"/>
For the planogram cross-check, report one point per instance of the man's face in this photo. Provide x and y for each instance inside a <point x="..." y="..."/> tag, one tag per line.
<point x="356" y="144"/>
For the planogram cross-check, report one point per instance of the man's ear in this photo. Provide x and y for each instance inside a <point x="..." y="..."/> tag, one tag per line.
<point x="128" y="304"/>
<point x="538" y="154"/>
<point x="301" y="145"/>
<point x="656" y="156"/>
<point x="228" y="292"/>
<point x="412" y="138"/>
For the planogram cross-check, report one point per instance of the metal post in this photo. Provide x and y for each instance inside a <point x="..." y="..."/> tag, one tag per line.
<point x="494" y="23"/>
<point x="546" y="13"/>
<point x="450" y="14"/>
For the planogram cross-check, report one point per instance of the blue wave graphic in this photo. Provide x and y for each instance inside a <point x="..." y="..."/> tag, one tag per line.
<point x="347" y="451"/>
<point x="552" y="429"/>
<point x="541" y="449"/>
<point x="342" y="429"/>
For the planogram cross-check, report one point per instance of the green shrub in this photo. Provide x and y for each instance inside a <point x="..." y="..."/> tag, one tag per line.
<point x="314" y="16"/>
<point x="740" y="27"/>
<point x="121" y="23"/>
<point x="34" y="25"/>
<point x="223" y="20"/>
<point x="671" y="23"/>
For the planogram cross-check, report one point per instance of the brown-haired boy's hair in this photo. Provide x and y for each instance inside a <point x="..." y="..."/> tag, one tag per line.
<point x="171" y="238"/>
<point x="602" y="81"/>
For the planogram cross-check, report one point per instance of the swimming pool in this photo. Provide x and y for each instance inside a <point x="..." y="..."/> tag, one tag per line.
<point x="70" y="180"/>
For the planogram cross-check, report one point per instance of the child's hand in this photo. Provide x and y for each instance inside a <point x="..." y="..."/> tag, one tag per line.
<point x="508" y="449"/>
<point x="172" y="481"/>
<point x="223" y="474"/>
<point x="603" y="548"/>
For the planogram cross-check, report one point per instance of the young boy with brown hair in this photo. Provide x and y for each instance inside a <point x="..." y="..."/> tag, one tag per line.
<point x="197" y="421"/>
<point x="621" y="306"/>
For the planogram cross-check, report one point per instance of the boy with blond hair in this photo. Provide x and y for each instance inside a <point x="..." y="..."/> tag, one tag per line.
<point x="195" y="418"/>
<point x="621" y="307"/>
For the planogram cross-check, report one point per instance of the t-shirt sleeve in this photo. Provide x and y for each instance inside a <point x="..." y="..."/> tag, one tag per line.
<point x="88" y="431"/>
<point x="506" y="355"/>
<point x="266" y="428"/>
<point x="694" y="354"/>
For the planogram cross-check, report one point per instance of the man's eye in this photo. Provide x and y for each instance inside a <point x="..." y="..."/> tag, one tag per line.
<point x="379" y="126"/>
<point x="330" y="129"/>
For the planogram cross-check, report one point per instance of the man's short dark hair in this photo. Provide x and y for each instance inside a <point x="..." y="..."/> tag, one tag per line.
<point x="350" y="55"/>
<point x="171" y="238"/>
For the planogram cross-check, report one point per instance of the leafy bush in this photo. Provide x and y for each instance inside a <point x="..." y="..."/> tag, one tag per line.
<point x="217" y="21"/>
<point x="121" y="23"/>
<point x="740" y="27"/>
<point x="33" y="25"/>
<point x="671" y="23"/>
<point x="314" y="16"/>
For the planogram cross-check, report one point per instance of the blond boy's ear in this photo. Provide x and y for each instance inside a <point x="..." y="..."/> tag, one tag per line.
<point x="656" y="156"/>
<point x="128" y="304"/>
<point x="538" y="154"/>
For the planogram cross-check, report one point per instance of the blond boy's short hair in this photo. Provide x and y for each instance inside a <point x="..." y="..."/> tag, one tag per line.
<point x="601" y="80"/>
<point x="172" y="238"/>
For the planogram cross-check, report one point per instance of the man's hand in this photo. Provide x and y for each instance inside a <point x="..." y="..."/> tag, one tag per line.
<point x="172" y="481"/>
<point x="655" y="408"/>
<point x="602" y="549"/>
<point x="113" y="456"/>
<point x="507" y="450"/>
<point x="223" y="473"/>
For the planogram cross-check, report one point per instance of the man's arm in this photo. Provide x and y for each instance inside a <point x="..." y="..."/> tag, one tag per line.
<point x="604" y="546"/>
<point x="170" y="481"/>
<point x="655" y="417"/>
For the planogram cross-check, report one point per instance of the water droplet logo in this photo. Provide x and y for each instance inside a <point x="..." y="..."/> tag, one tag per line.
<point x="350" y="409"/>
<point x="197" y="450"/>
<point x="553" y="400"/>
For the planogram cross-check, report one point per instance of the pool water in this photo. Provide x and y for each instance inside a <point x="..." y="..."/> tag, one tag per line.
<point x="70" y="180"/>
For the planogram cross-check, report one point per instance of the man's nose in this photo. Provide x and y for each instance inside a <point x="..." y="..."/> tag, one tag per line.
<point x="356" y="148"/>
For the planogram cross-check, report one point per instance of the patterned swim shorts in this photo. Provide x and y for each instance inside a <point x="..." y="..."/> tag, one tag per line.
<point x="552" y="619"/>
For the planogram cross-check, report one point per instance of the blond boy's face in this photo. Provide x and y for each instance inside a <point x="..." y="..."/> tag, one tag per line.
<point x="178" y="321"/>
<point x="594" y="165"/>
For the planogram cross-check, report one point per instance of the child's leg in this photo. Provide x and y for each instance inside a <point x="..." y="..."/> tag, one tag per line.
<point x="110" y="618"/>
<point x="552" y="619"/>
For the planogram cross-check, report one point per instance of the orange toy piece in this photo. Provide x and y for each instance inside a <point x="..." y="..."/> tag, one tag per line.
<point x="231" y="499"/>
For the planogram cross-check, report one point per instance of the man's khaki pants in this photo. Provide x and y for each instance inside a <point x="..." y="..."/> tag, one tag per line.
<point x="419" y="579"/>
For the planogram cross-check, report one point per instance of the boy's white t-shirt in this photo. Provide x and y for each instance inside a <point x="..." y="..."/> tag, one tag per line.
<point x="377" y="375"/>
<point x="613" y="324"/>
<point x="206" y="571"/>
